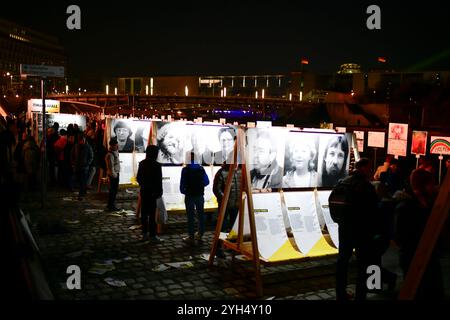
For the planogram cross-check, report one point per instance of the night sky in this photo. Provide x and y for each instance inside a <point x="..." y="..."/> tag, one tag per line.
<point x="246" y="37"/>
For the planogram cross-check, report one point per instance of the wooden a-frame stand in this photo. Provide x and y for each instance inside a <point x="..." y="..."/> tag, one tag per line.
<point x="239" y="246"/>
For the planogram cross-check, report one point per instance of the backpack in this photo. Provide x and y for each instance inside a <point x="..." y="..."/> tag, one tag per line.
<point x="340" y="200"/>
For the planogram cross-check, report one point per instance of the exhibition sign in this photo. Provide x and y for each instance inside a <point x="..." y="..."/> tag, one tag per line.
<point x="51" y="106"/>
<point x="419" y="143"/>
<point x="375" y="139"/>
<point x="283" y="158"/>
<point x="397" y="139"/>
<point x="324" y="210"/>
<point x="440" y="145"/>
<point x="302" y="214"/>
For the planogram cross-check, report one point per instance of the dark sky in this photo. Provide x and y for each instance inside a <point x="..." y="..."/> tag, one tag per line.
<point x="240" y="37"/>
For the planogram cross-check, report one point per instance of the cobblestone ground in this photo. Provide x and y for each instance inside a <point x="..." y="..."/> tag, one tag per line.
<point x="72" y="232"/>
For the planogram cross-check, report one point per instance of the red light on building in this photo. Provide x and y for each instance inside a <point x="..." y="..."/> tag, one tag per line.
<point x="381" y="59"/>
<point x="305" y="61"/>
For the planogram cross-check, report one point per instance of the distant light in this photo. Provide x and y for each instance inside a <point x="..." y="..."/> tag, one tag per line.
<point x="221" y="93"/>
<point x="151" y="86"/>
<point x="107" y="89"/>
<point x="178" y="112"/>
<point x="146" y="90"/>
<point x="115" y="91"/>
<point x="31" y="86"/>
<point x="186" y="91"/>
<point x="263" y="93"/>
<point x="17" y="95"/>
<point x="301" y="95"/>
<point x="4" y="96"/>
<point x="352" y="94"/>
<point x="8" y="74"/>
<point x="225" y="91"/>
<point x="290" y="96"/>
<point x="84" y="90"/>
<point x="256" y="94"/>
<point x="79" y="89"/>
<point x="67" y="89"/>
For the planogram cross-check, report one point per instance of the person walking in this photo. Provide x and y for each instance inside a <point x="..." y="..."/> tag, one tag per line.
<point x="113" y="170"/>
<point x="192" y="184"/>
<point x="149" y="177"/>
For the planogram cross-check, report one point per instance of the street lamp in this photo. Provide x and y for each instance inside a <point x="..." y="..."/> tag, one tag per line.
<point x="107" y="89"/>
<point x="263" y="93"/>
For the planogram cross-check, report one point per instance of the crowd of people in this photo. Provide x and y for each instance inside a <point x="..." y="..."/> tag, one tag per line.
<point x="388" y="206"/>
<point x="391" y="206"/>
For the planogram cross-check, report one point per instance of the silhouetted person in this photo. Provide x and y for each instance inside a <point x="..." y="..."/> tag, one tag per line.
<point x="149" y="177"/>
<point x="113" y="170"/>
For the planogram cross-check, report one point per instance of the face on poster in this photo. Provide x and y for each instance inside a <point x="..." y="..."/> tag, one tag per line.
<point x="301" y="160"/>
<point x="334" y="158"/>
<point x="173" y="140"/>
<point x="419" y="142"/>
<point x="132" y="135"/>
<point x="212" y="143"/>
<point x="266" y="149"/>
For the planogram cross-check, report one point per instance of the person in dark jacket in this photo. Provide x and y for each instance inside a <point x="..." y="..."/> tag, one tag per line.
<point x="234" y="199"/>
<point x="355" y="230"/>
<point x="412" y="215"/>
<point x="192" y="184"/>
<point x="149" y="177"/>
<point x="82" y="157"/>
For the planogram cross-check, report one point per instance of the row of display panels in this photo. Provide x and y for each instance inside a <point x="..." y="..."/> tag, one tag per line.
<point x="278" y="157"/>
<point x="304" y="214"/>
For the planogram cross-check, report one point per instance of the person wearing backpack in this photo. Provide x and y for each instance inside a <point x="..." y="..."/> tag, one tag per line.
<point x="192" y="184"/>
<point x="353" y="205"/>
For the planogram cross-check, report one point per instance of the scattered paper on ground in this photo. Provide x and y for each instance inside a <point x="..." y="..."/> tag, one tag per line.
<point x="93" y="210"/>
<point x="205" y="256"/>
<point x="72" y="221"/>
<point x="271" y="298"/>
<point x="129" y="191"/>
<point x="138" y="226"/>
<point x="101" y="268"/>
<point x="161" y="267"/>
<point x="67" y="199"/>
<point x="116" y="215"/>
<point x="181" y="265"/>
<point x="241" y="257"/>
<point x="115" y="283"/>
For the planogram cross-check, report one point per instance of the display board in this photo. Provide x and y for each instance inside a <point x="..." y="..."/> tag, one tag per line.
<point x="174" y="199"/>
<point x="284" y="158"/>
<point x="211" y="143"/>
<point x="132" y="134"/>
<point x="440" y="145"/>
<point x="397" y="139"/>
<point x="375" y="139"/>
<point x="419" y="142"/>
<point x="302" y="214"/>
<point x="63" y="119"/>
<point x="324" y="210"/>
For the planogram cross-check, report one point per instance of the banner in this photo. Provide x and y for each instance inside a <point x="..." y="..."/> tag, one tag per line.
<point x="440" y="145"/>
<point x="324" y="210"/>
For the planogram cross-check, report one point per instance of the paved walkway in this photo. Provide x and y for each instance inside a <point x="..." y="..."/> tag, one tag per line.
<point x="72" y="232"/>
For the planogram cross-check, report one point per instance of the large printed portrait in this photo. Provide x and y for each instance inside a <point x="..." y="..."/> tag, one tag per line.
<point x="132" y="135"/>
<point x="266" y="155"/>
<point x="334" y="158"/>
<point x="173" y="140"/>
<point x="301" y="160"/>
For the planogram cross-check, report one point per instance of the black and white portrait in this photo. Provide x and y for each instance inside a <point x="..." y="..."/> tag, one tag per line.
<point x="266" y="152"/>
<point x="301" y="160"/>
<point x="121" y="129"/>
<point x="172" y="138"/>
<point x="226" y="138"/>
<point x="333" y="159"/>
